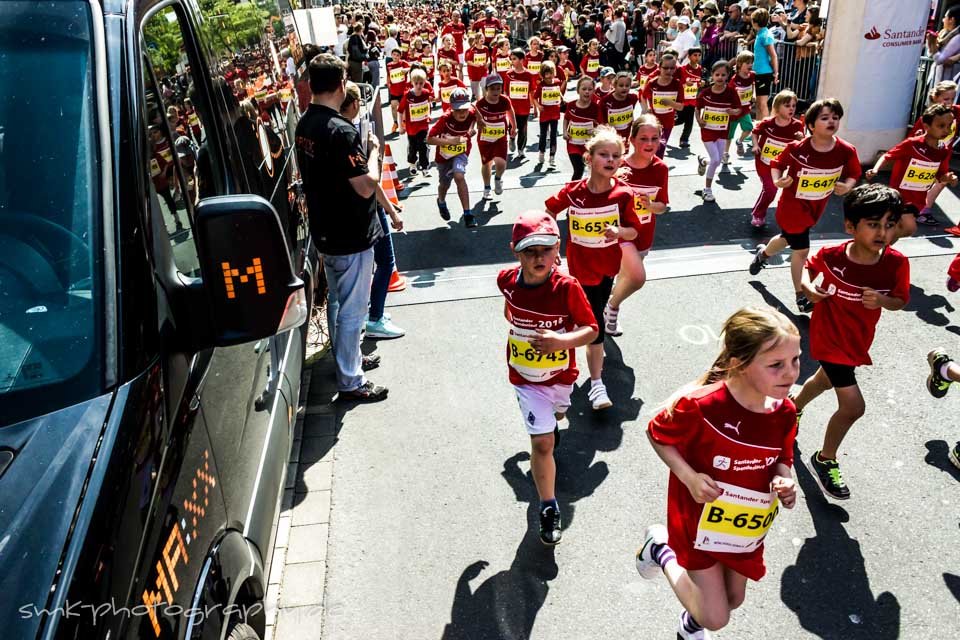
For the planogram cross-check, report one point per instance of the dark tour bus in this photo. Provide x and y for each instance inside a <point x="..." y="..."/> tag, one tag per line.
<point x="156" y="275"/>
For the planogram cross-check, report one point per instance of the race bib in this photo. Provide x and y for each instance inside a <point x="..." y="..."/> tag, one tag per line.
<point x="746" y="95"/>
<point x="397" y="75"/>
<point x="737" y="521"/>
<point x="643" y="212"/>
<point x="285" y="94"/>
<point x="689" y="91"/>
<point x="534" y="66"/>
<point x="715" y="120"/>
<point x="452" y="150"/>
<point x="580" y="133"/>
<point x="166" y="154"/>
<point x="920" y="175"/>
<point x="620" y="118"/>
<point x="587" y="225"/>
<point x="550" y="96"/>
<point x="771" y="150"/>
<point x="643" y="83"/>
<point x="492" y="133"/>
<point x="489" y="32"/>
<point x="428" y="62"/>
<point x="479" y="60"/>
<point x="519" y="90"/>
<point x="533" y="366"/>
<point x="593" y="65"/>
<point x="154" y="168"/>
<point x="816" y="184"/>
<point x="419" y="111"/>
<point x="660" y="101"/>
<point x="445" y="93"/>
<point x="502" y="65"/>
<point x="193" y="119"/>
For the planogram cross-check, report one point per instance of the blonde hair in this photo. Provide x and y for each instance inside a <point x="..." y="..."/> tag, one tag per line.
<point x="585" y="78"/>
<point x="784" y="97"/>
<point x="535" y="39"/>
<point x="745" y="335"/>
<point x="418" y="74"/>
<point x="604" y="135"/>
<point x="352" y="95"/>
<point x="941" y="88"/>
<point x="743" y="58"/>
<point x="547" y="66"/>
<point x="644" y="120"/>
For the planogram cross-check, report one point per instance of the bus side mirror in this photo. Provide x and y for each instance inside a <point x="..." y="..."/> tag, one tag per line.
<point x="248" y="280"/>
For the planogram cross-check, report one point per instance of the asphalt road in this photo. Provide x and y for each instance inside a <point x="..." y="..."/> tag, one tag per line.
<point x="433" y="532"/>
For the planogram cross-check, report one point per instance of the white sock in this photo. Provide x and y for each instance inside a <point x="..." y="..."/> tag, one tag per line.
<point x="945" y="371"/>
<point x="595" y="382"/>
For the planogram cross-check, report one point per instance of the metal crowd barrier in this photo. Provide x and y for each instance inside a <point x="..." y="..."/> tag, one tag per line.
<point x="922" y="89"/>
<point x="799" y="70"/>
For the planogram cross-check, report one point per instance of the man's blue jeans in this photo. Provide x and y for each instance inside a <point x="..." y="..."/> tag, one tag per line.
<point x="384" y="259"/>
<point x="348" y="295"/>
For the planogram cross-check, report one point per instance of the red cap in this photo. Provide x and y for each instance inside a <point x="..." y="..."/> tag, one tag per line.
<point x="535" y="228"/>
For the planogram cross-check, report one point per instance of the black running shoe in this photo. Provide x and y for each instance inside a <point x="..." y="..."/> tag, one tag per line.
<point x="954" y="455"/>
<point x="759" y="260"/>
<point x="803" y="304"/>
<point x="444" y="211"/>
<point x="550" y="526"/>
<point x="469" y="220"/>
<point x="367" y="392"/>
<point x="937" y="385"/>
<point x="828" y="477"/>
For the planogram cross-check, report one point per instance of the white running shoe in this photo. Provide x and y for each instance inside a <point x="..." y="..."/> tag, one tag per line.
<point x="486" y="193"/>
<point x="725" y="159"/>
<point x="553" y="162"/>
<point x="647" y="567"/>
<point x="497" y="186"/>
<point x="598" y="397"/>
<point x="701" y="165"/>
<point x="611" y="325"/>
<point x="683" y="634"/>
<point x="708" y="195"/>
<point x="513" y="145"/>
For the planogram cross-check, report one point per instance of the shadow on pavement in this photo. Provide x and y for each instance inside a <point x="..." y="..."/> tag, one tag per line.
<point x="937" y="457"/>
<point x="506" y="604"/>
<point x="926" y="307"/>
<point x="828" y="587"/>
<point x="953" y="584"/>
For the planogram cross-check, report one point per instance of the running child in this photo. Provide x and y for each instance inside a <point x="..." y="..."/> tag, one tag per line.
<point x="647" y="69"/>
<point x="549" y="317"/>
<point x="662" y="96"/>
<point x="414" y="112"/>
<point x="449" y="53"/>
<point x="548" y="97"/>
<point x="716" y="105"/>
<point x="477" y="63"/>
<point x="647" y="176"/>
<point x="728" y="442"/>
<point x="944" y="371"/>
<point x="823" y="164"/>
<point x="691" y="76"/>
<point x="743" y="83"/>
<point x="519" y="85"/>
<point x="918" y="164"/>
<point x="943" y="93"/>
<point x="447" y="83"/>
<point x="605" y="88"/>
<point x="601" y="216"/>
<point x="859" y="278"/>
<point x="770" y="137"/>
<point x="535" y="55"/>
<point x="616" y="109"/>
<point x="566" y="66"/>
<point x="580" y="118"/>
<point x="397" y="85"/>
<point x="451" y="134"/>
<point x="501" y="55"/>
<point x="494" y="119"/>
<point x="590" y="62"/>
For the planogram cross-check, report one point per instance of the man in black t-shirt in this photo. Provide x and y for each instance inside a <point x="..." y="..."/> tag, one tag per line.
<point x="341" y="183"/>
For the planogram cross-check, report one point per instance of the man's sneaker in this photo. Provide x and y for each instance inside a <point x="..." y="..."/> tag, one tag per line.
<point x="937" y="385"/>
<point x="444" y="211"/>
<point x="540" y="159"/>
<point x="384" y="329"/>
<point x="803" y="304"/>
<point x="370" y="361"/>
<point x="497" y="186"/>
<point x="469" y="220"/>
<point x="725" y="159"/>
<point x="513" y="145"/>
<point x="647" y="566"/>
<point x="699" y="634"/>
<point x="757" y="221"/>
<point x="610" y="322"/>
<point x="413" y="171"/>
<point x="367" y="392"/>
<point x="550" y="533"/>
<point x="598" y="397"/>
<point x="708" y="195"/>
<point x="759" y="260"/>
<point x="701" y="165"/>
<point x="486" y="193"/>
<point x="828" y="477"/>
<point x="954" y="455"/>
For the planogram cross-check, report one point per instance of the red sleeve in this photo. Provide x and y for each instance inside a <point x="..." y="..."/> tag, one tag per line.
<point x="663" y="195"/>
<point x="701" y="100"/>
<point x="815" y="263"/>
<point x="901" y="150"/>
<point x="759" y="127"/>
<point x="583" y="63"/>
<point x="790" y="437"/>
<point x="578" y="306"/>
<point x="918" y="128"/>
<point x="437" y="127"/>
<point x="404" y="103"/>
<point x="852" y="168"/>
<point x="902" y="287"/>
<point x="647" y="93"/>
<point x="677" y="427"/>
<point x="558" y="203"/>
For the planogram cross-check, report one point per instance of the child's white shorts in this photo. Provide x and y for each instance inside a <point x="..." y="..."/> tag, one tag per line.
<point x="539" y="403"/>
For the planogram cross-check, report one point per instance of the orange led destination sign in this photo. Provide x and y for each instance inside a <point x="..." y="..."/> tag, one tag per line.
<point x="255" y="269"/>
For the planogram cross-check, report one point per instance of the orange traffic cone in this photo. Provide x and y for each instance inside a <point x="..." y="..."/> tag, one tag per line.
<point x="389" y="187"/>
<point x="389" y="166"/>
<point x="397" y="281"/>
